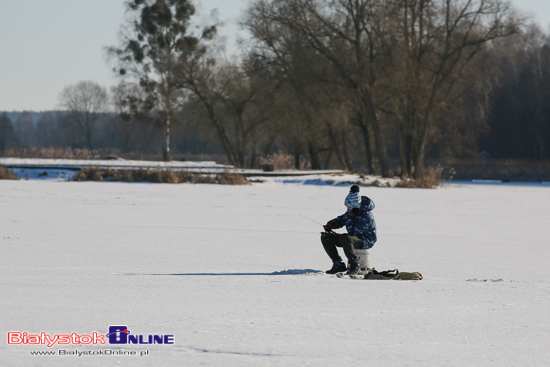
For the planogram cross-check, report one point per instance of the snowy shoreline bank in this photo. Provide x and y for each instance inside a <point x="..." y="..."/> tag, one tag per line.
<point x="65" y="169"/>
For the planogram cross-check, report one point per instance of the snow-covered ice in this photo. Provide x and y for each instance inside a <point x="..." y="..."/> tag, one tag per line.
<point x="236" y="274"/>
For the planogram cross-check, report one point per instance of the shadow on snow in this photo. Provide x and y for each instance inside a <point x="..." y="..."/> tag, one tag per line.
<point x="284" y="272"/>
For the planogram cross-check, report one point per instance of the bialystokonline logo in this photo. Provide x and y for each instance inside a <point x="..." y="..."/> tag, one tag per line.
<point x="118" y="334"/>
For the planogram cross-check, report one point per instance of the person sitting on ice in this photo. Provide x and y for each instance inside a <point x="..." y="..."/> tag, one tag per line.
<point x="361" y="228"/>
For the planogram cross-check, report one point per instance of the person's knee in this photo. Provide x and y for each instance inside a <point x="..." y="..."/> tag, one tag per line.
<point x="344" y="240"/>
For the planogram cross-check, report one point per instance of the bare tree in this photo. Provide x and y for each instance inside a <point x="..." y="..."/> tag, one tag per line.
<point x="432" y="53"/>
<point x="232" y="99"/>
<point x="412" y="66"/>
<point x="341" y="32"/>
<point x="86" y="102"/>
<point x="305" y="82"/>
<point x="246" y="102"/>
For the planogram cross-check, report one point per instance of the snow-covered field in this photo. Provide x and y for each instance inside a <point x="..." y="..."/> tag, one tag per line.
<point x="235" y="274"/>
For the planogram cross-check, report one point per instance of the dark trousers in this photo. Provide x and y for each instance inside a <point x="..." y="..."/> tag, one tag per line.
<point x="348" y="242"/>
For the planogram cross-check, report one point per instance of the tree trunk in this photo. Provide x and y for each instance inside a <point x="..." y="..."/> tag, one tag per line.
<point x="224" y="140"/>
<point x="328" y="160"/>
<point x="87" y="127"/>
<point x="268" y="146"/>
<point x="379" y="143"/>
<point x="296" y="159"/>
<point x="241" y="156"/>
<point x="253" y="156"/>
<point x="419" y="159"/>
<point x="402" y="155"/>
<point x="166" y="147"/>
<point x="345" y="150"/>
<point x="334" y="144"/>
<point x="314" y="155"/>
<point x="371" y="167"/>
<point x="298" y="148"/>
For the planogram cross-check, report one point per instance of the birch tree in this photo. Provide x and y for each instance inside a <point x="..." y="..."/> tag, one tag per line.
<point x="153" y="45"/>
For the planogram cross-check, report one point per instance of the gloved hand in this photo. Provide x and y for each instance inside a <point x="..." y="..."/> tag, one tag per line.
<point x="354" y="188"/>
<point x="328" y="227"/>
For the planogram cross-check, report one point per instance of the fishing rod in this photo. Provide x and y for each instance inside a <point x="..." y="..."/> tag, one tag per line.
<point x="314" y="221"/>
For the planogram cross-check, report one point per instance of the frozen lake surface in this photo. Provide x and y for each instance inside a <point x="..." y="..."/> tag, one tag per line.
<point x="236" y="275"/>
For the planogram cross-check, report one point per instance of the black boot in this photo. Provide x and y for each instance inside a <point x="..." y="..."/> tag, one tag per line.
<point x="337" y="267"/>
<point x="354" y="268"/>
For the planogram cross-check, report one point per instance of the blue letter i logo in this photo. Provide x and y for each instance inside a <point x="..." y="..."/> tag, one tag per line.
<point x="118" y="334"/>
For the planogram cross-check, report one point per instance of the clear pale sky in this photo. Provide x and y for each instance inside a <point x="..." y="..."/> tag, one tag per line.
<point x="46" y="45"/>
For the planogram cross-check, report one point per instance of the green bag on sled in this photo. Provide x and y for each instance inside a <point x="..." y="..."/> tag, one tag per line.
<point x="392" y="275"/>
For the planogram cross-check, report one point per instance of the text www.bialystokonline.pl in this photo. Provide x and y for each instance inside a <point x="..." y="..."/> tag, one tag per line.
<point x="86" y="353"/>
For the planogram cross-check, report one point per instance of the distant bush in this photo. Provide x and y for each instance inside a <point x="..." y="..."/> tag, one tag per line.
<point x="432" y="179"/>
<point x="227" y="178"/>
<point x="6" y="174"/>
<point x="157" y="176"/>
<point x="380" y="183"/>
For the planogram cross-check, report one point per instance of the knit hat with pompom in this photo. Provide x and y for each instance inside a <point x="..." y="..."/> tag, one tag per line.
<point x="353" y="200"/>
